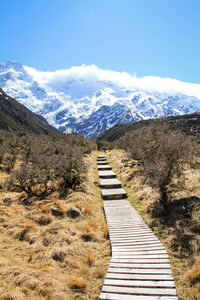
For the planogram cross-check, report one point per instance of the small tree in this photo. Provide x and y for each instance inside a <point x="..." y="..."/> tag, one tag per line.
<point x="173" y="151"/>
<point x="68" y="168"/>
<point x="27" y="177"/>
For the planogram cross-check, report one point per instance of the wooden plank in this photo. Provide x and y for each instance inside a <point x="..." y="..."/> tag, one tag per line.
<point x="132" y="236"/>
<point x="111" y="275"/>
<point x="107" y="174"/>
<point x="140" y="266"/>
<point x="111" y="296"/>
<point x="139" y="283"/>
<point x="130" y="230"/>
<point x="110" y="183"/>
<point x="121" y="225"/>
<point x="139" y="291"/>
<point x="113" y="192"/>
<point x="136" y="239"/>
<point x="126" y="219"/>
<point x="134" y="243"/>
<point x="140" y="261"/>
<point x="139" y="271"/>
<point x="116" y="253"/>
<point x="137" y="247"/>
<point x="134" y="256"/>
<point x="133" y="233"/>
<point x="125" y="226"/>
<point x="104" y="167"/>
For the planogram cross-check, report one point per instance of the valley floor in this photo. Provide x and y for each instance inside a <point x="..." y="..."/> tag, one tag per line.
<point x="43" y="256"/>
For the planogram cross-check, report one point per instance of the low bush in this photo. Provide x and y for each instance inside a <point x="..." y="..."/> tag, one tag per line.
<point x="40" y="164"/>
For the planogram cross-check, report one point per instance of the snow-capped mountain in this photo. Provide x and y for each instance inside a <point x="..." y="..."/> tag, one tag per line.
<point x="89" y="100"/>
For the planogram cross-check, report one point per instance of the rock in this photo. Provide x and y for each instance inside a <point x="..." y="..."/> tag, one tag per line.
<point x="184" y="206"/>
<point x="56" y="211"/>
<point x="74" y="212"/>
<point x="181" y="209"/>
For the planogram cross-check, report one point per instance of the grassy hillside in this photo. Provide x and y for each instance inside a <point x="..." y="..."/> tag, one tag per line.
<point x="16" y="117"/>
<point x="51" y="218"/>
<point x="179" y="229"/>
<point x="189" y="124"/>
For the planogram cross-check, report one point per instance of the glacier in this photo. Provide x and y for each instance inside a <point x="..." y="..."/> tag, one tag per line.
<point x="88" y="100"/>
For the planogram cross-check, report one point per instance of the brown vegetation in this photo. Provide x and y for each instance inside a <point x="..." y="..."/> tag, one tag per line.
<point x="178" y="229"/>
<point x="43" y="254"/>
<point x="161" y="154"/>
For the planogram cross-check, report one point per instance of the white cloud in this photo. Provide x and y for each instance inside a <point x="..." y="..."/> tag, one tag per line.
<point x="84" y="78"/>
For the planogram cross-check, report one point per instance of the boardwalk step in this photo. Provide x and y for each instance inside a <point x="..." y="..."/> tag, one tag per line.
<point x="139" y="290"/>
<point x="128" y="276"/>
<point x="110" y="183"/>
<point x="104" y="168"/>
<point x="101" y="159"/>
<point x="140" y="271"/>
<point x="140" y="260"/>
<point x="117" y="253"/>
<point x="101" y="156"/>
<point x="139" y="283"/>
<point x="102" y="163"/>
<point x="138" y="241"/>
<point x="140" y="265"/>
<point x="106" y="174"/>
<point x="110" y="296"/>
<point x="136" y="248"/>
<point x="113" y="193"/>
<point x="145" y="256"/>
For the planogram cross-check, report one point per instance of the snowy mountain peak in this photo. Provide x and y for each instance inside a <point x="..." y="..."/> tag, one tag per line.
<point x="11" y="66"/>
<point x="88" y="100"/>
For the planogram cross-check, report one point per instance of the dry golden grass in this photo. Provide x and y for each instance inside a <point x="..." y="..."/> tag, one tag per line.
<point x="194" y="273"/>
<point x="179" y="234"/>
<point x="47" y="257"/>
<point x="77" y="284"/>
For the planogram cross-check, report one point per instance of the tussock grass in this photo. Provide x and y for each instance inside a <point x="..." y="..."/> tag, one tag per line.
<point x="43" y="256"/>
<point x="179" y="232"/>
<point x="77" y="284"/>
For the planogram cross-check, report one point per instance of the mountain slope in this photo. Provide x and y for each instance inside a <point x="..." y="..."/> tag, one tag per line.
<point x="14" y="116"/>
<point x="89" y="100"/>
<point x="190" y="124"/>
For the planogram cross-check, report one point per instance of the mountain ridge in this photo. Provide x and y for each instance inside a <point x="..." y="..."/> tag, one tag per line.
<point x="89" y="100"/>
<point x="189" y="124"/>
<point x="16" y="117"/>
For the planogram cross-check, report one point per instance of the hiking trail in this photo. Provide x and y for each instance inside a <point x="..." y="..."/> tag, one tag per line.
<point x="139" y="268"/>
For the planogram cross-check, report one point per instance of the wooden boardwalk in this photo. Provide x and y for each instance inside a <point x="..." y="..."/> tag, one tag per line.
<point x="139" y="268"/>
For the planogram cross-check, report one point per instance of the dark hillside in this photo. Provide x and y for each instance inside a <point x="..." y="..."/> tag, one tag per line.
<point x="190" y="124"/>
<point x="16" y="117"/>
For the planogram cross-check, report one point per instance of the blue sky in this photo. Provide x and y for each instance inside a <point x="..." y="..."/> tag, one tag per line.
<point x="146" y="37"/>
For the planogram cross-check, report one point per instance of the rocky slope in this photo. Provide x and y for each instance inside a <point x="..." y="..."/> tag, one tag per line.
<point x="16" y="117"/>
